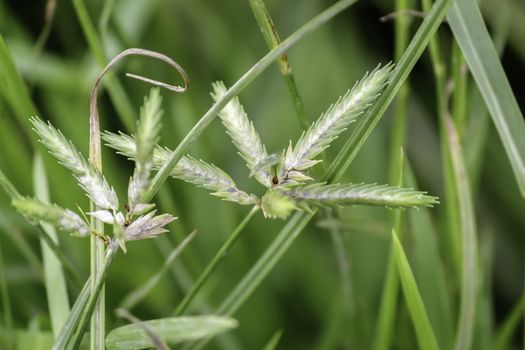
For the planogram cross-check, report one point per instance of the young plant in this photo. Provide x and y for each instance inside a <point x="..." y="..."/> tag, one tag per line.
<point x="286" y="177"/>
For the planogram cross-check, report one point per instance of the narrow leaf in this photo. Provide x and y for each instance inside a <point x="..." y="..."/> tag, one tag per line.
<point x="55" y="281"/>
<point x="171" y="330"/>
<point x="469" y="273"/>
<point x="470" y="31"/>
<point x="425" y="334"/>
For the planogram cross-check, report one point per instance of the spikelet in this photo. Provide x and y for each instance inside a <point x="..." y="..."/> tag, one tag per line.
<point x="65" y="219"/>
<point x="334" y="121"/>
<point x="148" y="128"/>
<point x="368" y="194"/>
<point x="91" y="181"/>
<point x="243" y="135"/>
<point x="147" y="226"/>
<point x="188" y="169"/>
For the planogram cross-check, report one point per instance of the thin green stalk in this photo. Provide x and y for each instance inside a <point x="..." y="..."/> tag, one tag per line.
<point x="387" y="310"/>
<point x="223" y="251"/>
<point x="94" y="299"/>
<point x="459" y="94"/>
<point x="338" y="167"/>
<point x="6" y="307"/>
<point x="450" y="201"/>
<point x="246" y="79"/>
<point x="97" y="248"/>
<point x="271" y="36"/>
<point x="343" y="265"/>
<point x="55" y="281"/>
<point x="469" y="242"/>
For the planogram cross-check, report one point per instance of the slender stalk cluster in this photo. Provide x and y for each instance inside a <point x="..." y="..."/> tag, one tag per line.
<point x="287" y="187"/>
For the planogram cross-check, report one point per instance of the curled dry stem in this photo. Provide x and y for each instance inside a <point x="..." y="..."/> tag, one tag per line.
<point x="93" y="105"/>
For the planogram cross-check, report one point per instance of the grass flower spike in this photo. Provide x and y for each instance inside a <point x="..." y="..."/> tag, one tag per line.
<point x="371" y="194"/>
<point x="331" y="123"/>
<point x="65" y="219"/>
<point x="147" y="226"/>
<point x="188" y="169"/>
<point x="148" y="129"/>
<point x="87" y="176"/>
<point x="243" y="135"/>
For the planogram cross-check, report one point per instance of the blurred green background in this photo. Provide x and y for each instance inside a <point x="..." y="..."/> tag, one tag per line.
<point x="220" y="40"/>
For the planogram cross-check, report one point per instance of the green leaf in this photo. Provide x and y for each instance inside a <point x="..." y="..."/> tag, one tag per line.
<point x="424" y="332"/>
<point x="55" y="281"/>
<point x="471" y="33"/>
<point x="469" y="273"/>
<point x="171" y="330"/>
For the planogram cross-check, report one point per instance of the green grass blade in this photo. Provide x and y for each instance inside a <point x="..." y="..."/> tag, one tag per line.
<point x="450" y="204"/>
<point x="388" y="307"/>
<point x="473" y="38"/>
<point x="135" y="296"/>
<point x="55" y="281"/>
<point x="425" y="334"/>
<point x="74" y="316"/>
<point x="271" y="36"/>
<point x="430" y="271"/>
<point x="469" y="243"/>
<point x="171" y="330"/>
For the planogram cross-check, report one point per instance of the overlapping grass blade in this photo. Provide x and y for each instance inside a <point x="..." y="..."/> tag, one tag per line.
<point x="55" y="281"/>
<point x="472" y="35"/>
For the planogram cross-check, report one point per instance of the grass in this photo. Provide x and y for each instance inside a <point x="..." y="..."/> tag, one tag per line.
<point x="323" y="279"/>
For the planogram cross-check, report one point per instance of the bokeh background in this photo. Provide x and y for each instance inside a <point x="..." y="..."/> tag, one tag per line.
<point x="220" y="40"/>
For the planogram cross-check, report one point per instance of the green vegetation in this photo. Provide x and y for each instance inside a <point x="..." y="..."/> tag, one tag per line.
<point x="314" y="106"/>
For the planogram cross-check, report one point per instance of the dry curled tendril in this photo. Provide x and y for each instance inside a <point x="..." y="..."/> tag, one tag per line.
<point x="139" y="220"/>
